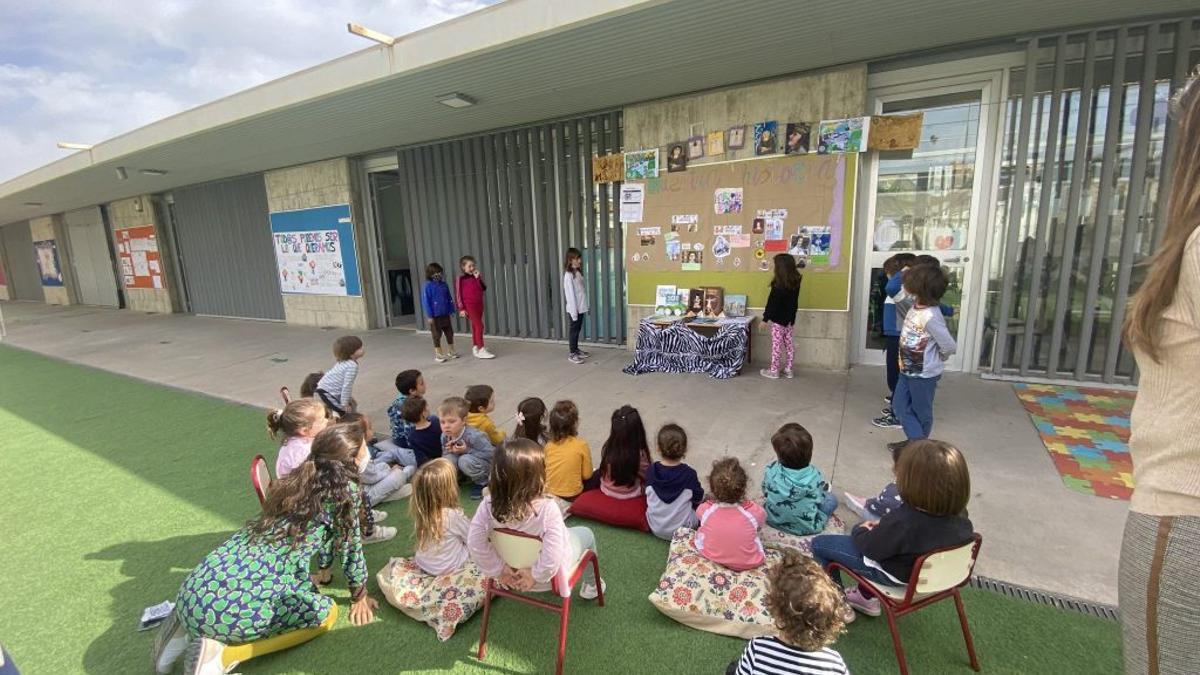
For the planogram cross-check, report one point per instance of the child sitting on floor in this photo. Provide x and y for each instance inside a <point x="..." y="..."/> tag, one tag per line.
<point x="795" y="494"/>
<point x="568" y="457"/>
<point x="531" y="414"/>
<point x="425" y="436"/>
<point x="408" y="383"/>
<point x="806" y="607"/>
<point x="296" y="425"/>
<point x="729" y="526"/>
<point x="439" y="526"/>
<point x="935" y="485"/>
<point x="517" y="501"/>
<point x="673" y="489"/>
<point x="885" y="502"/>
<point x="465" y="446"/>
<point x="482" y="400"/>
<point x="625" y="456"/>
<point x="336" y="387"/>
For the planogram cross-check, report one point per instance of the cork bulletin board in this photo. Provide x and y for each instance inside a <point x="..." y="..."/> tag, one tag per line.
<point x="721" y="224"/>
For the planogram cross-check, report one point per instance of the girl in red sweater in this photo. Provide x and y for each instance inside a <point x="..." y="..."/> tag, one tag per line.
<point x="469" y="291"/>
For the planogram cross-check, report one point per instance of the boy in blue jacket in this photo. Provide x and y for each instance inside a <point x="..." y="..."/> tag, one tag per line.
<point x="795" y="495"/>
<point x="439" y="308"/>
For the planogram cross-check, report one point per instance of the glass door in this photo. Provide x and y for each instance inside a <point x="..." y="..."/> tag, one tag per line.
<point x="927" y="202"/>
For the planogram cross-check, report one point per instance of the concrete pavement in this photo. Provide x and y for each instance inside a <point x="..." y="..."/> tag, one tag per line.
<point x="1036" y="532"/>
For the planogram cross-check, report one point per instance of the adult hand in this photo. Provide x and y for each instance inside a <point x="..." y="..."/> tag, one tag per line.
<point x="362" y="611"/>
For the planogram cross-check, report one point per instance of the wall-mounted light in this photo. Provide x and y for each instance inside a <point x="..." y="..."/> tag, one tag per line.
<point x="65" y="145"/>
<point x="154" y="172"/>
<point x="363" y="31"/>
<point x="456" y="100"/>
<point x="122" y="174"/>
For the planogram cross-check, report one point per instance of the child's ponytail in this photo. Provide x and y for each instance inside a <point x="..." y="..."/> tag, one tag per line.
<point x="294" y="418"/>
<point x="273" y="421"/>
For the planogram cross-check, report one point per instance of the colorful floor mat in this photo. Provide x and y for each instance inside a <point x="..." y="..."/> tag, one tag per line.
<point x="1087" y="434"/>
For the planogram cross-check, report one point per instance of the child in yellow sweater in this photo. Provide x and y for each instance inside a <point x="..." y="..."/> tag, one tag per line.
<point x="482" y="400"/>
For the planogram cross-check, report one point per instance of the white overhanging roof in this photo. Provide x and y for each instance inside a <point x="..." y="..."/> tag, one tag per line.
<point x="525" y="61"/>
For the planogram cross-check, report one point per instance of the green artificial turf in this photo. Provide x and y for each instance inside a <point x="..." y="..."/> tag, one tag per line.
<point x="113" y="489"/>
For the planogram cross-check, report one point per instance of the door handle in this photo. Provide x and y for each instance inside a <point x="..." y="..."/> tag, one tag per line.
<point x="962" y="259"/>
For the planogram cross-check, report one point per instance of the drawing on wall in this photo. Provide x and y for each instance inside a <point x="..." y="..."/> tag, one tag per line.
<point x="716" y="143"/>
<point x="845" y="135"/>
<point x="608" y="168"/>
<point x="695" y="147"/>
<point x="47" y="262"/>
<point x="819" y="242"/>
<point x="895" y="132"/>
<point x="764" y="137"/>
<point x="737" y="137"/>
<point x="677" y="158"/>
<point x="641" y="164"/>
<point x="799" y="134"/>
<point x="720" y="247"/>
<point x="727" y="200"/>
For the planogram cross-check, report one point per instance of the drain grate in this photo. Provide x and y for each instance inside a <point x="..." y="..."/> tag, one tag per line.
<point x="1098" y="610"/>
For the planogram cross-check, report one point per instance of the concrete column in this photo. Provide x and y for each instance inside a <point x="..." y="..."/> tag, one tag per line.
<point x="50" y="228"/>
<point x="138" y="212"/>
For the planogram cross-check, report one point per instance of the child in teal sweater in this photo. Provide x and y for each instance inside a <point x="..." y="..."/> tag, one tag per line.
<point x="796" y="497"/>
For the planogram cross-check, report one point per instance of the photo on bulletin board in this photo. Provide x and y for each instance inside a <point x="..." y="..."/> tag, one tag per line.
<point x="641" y="164"/>
<point x="765" y="137"/>
<point x="716" y="143"/>
<point x="799" y="135"/>
<point x="677" y="158"/>
<point x="695" y="147"/>
<point x="845" y="135"/>
<point x="737" y="137"/>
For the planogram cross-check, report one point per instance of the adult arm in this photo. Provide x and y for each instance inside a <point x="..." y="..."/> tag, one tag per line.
<point x="479" y="541"/>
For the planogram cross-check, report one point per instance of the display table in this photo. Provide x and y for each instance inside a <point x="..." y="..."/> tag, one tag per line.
<point x="719" y="349"/>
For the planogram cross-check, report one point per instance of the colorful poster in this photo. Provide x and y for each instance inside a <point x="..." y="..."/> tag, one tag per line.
<point x="673" y="246"/>
<point x="641" y="164"/>
<point x="49" y="268"/>
<point x="765" y="140"/>
<point x="799" y="135"/>
<point x="138" y="255"/>
<point x="677" y="158"/>
<point x="727" y="200"/>
<point x="846" y="135"/>
<point x="721" y="247"/>
<point x="774" y="229"/>
<point x="608" y="168"/>
<point x="775" y="246"/>
<point x="895" y="132"/>
<point x="819" y="244"/>
<point x="633" y="199"/>
<point x="314" y="251"/>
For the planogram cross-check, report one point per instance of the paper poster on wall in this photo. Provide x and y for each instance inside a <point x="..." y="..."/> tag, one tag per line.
<point x="157" y="281"/>
<point x="141" y="266"/>
<point x="774" y="229"/>
<point x="139" y="257"/>
<point x="716" y="143"/>
<point x="739" y="241"/>
<point x="673" y="247"/>
<point x="314" y="251"/>
<point x="721" y="247"/>
<point x="765" y="137"/>
<point x="775" y="246"/>
<point x="641" y="164"/>
<point x="895" y="132"/>
<point x="633" y="196"/>
<point x="820" y="241"/>
<point x="608" y="168"/>
<point x="799" y="135"/>
<point x="727" y="200"/>
<point x="845" y="135"/>
<point x="48" y="266"/>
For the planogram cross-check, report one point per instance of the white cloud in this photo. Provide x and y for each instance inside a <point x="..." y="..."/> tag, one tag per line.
<point x="83" y="71"/>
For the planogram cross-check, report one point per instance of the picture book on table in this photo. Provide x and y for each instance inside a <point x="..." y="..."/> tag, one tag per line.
<point x="735" y="305"/>
<point x="714" y="301"/>
<point x="695" y="302"/>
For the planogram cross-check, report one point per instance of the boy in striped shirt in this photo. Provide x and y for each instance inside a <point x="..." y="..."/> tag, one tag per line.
<point x="807" y="608"/>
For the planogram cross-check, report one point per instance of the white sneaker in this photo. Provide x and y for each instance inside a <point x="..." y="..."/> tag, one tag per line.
<point x="377" y="515"/>
<point x="441" y="358"/>
<point x="381" y="533"/>
<point x="170" y="643"/>
<point x="848" y="613"/>
<point x="453" y="354"/>
<point x="769" y="374"/>
<point x="589" y="592"/>
<point x="483" y="353"/>
<point x="575" y="358"/>
<point x="858" y="505"/>
<point x="204" y="657"/>
<point x="788" y="373"/>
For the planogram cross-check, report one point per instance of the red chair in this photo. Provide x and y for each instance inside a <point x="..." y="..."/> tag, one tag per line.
<point x="937" y="575"/>
<point x="260" y="478"/>
<point x="285" y="394"/>
<point x="519" y="550"/>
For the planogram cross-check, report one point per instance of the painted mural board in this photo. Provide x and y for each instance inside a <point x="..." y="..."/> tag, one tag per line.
<point x="314" y="251"/>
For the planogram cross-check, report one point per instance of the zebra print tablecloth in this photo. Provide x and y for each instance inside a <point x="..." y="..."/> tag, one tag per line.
<point x="680" y="349"/>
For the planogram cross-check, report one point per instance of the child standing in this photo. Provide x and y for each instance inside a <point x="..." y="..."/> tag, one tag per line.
<point x="470" y="289"/>
<point x="517" y="501"/>
<point x="465" y="446"/>
<point x="481" y="400"/>
<point x="893" y="292"/>
<point x="796" y="496"/>
<point x="806" y="606"/>
<point x="568" y="457"/>
<point x="439" y="307"/>
<point x="673" y="489"/>
<point x="729" y="526"/>
<point x="336" y="387"/>
<point x="780" y="313"/>
<point x="925" y="342"/>
<point x="625" y="456"/>
<point x="530" y="415"/>
<point x="296" y="424"/>
<point x="408" y="383"/>
<point x="575" y="299"/>
<point x="935" y="485"/>
<point x="439" y="526"/>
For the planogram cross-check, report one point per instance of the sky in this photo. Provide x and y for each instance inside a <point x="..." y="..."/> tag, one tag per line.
<point x="87" y="70"/>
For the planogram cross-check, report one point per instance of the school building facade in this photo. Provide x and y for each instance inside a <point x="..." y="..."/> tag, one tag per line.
<point x="1038" y="181"/>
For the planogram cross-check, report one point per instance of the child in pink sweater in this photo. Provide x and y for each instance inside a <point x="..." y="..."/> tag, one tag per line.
<point x="469" y="291"/>
<point x="517" y="501"/>
<point x="729" y="526"/>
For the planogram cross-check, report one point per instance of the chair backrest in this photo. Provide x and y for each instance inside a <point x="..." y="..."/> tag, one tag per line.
<point x="285" y="394"/>
<point x="946" y="568"/>
<point x="517" y="549"/>
<point x="260" y="478"/>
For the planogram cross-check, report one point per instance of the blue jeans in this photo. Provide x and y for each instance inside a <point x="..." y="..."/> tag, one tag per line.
<point x="840" y="548"/>
<point x="913" y="405"/>
<point x="828" y="504"/>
